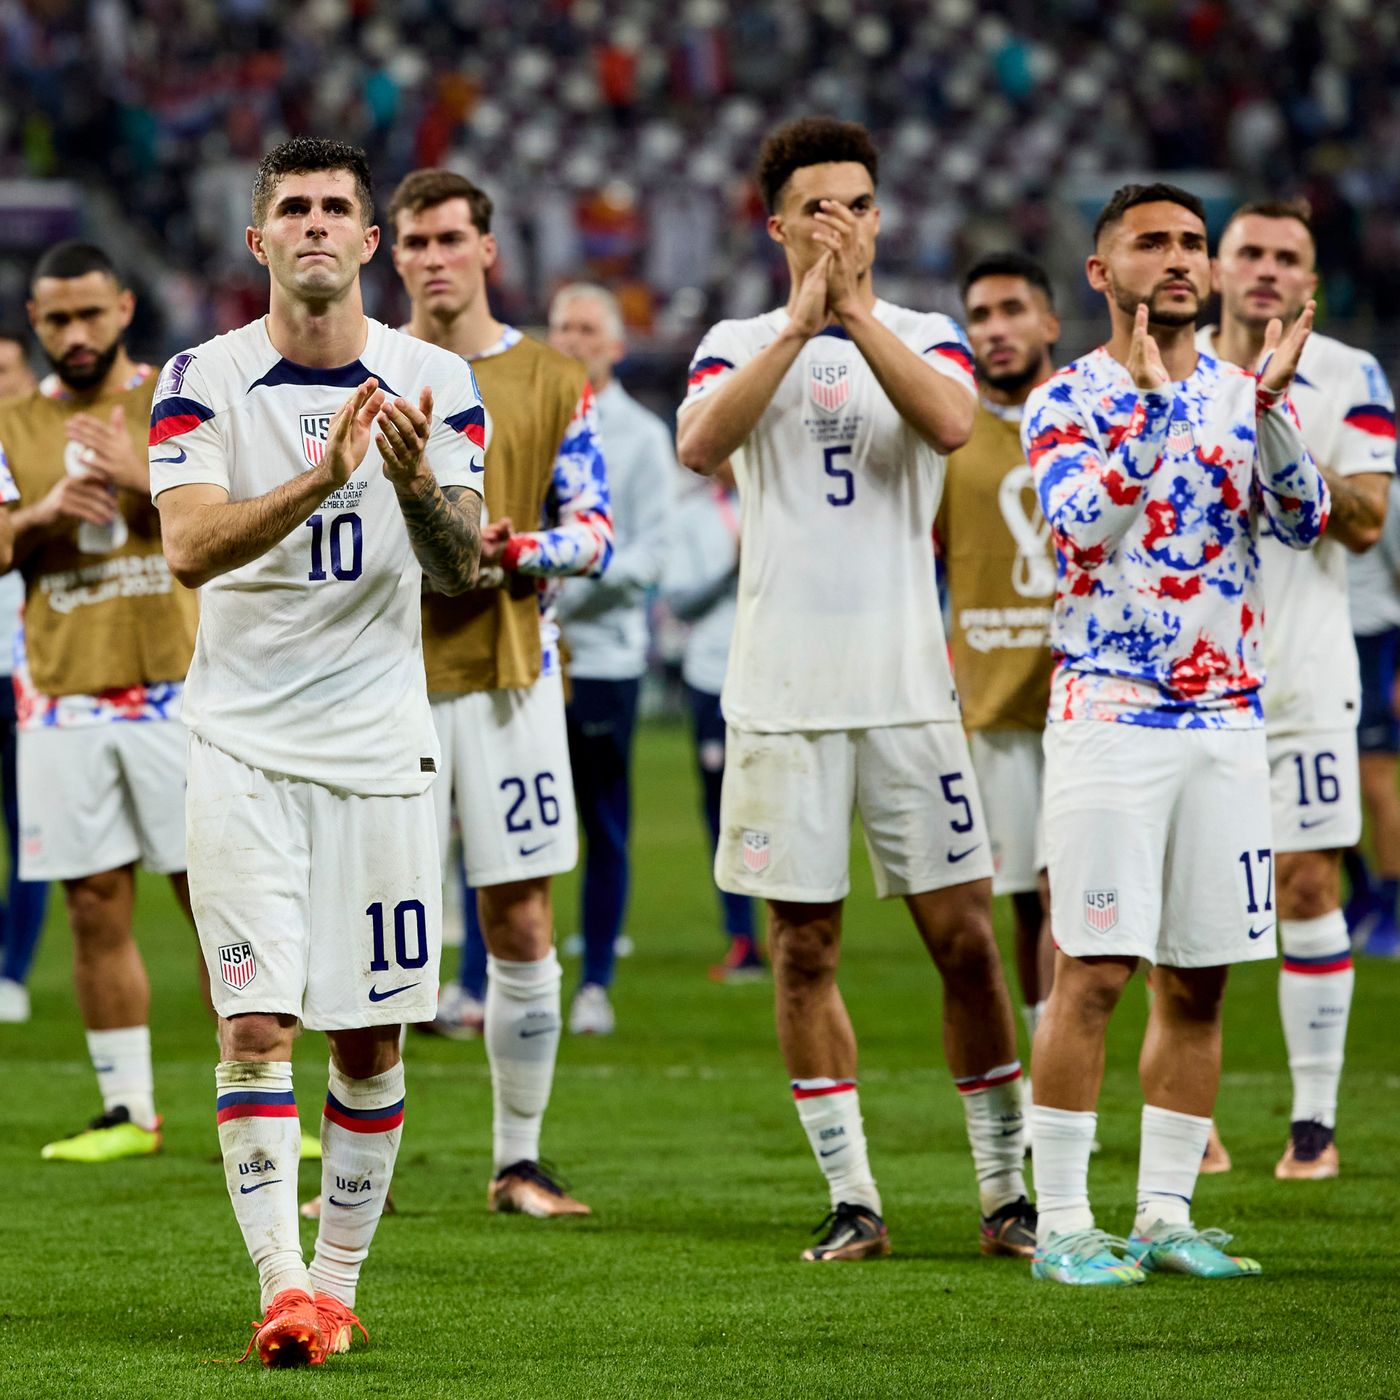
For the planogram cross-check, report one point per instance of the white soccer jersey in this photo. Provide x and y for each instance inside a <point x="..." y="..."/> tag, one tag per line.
<point x="1311" y="679"/>
<point x="309" y="660"/>
<point x="838" y="624"/>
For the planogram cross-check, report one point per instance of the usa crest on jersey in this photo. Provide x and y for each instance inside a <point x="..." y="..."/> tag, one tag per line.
<point x="237" y="965"/>
<point x="829" y="385"/>
<point x="315" y="428"/>
<point x="756" y="845"/>
<point x="1101" y="909"/>
<point x="1179" y="435"/>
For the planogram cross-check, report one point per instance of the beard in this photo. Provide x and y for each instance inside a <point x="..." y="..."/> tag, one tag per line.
<point x="1009" y="381"/>
<point x="81" y="380"/>
<point x="1173" y="317"/>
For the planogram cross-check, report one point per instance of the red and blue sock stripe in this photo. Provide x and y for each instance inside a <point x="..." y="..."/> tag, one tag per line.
<point x="256" y="1103"/>
<point x="818" y="1088"/>
<point x="1318" y="967"/>
<point x="364" y="1120"/>
<point x="989" y="1079"/>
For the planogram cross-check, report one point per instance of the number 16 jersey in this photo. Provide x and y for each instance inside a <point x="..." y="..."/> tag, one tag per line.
<point x="838" y="624"/>
<point x="309" y="659"/>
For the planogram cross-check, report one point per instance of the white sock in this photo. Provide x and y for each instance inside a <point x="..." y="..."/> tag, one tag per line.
<point x="1314" y="999"/>
<point x="1169" y="1161"/>
<point x="360" y="1133"/>
<point x="122" y="1060"/>
<point x="996" y="1131"/>
<point x="261" y="1141"/>
<point x="1062" y="1141"/>
<point x="829" y="1110"/>
<point x="522" y="1040"/>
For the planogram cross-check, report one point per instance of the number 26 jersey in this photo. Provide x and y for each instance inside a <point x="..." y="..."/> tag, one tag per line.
<point x="838" y="624"/>
<point x="309" y="659"/>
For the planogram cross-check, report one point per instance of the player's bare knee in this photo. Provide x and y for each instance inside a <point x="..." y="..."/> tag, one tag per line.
<point x="1086" y="991"/>
<point x="256" y="1036"/>
<point x="1189" y="995"/>
<point x="516" y="921"/>
<point x="804" y="951"/>
<point x="366" y="1052"/>
<point x="94" y="912"/>
<point x="1309" y="883"/>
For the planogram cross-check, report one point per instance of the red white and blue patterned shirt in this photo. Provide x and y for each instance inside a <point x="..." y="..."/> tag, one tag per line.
<point x="1157" y="501"/>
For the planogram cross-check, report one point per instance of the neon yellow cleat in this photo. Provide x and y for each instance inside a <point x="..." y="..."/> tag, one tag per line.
<point x="106" y="1139"/>
<point x="310" y="1147"/>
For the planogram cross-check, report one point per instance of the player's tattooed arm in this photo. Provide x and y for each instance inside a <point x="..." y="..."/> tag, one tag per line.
<point x="444" y="528"/>
<point x="1358" y="508"/>
<point x="444" y="523"/>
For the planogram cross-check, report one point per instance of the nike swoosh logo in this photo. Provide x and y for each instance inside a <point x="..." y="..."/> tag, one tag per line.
<point x="531" y="850"/>
<point x="822" y="1152"/>
<point x="1323" y="1025"/>
<point x="955" y="857"/>
<point x="1009" y="1132"/>
<point x="376" y="995"/>
<point x="104" y="1069"/>
<point x="542" y="1030"/>
<point x="349" y="1205"/>
<point x="248" y="1190"/>
<point x="175" y="460"/>
<point x="1259" y="932"/>
<point x="1320" y="821"/>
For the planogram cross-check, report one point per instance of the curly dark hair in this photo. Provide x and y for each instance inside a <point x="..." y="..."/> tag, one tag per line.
<point x="303" y="154"/>
<point x="812" y="141"/>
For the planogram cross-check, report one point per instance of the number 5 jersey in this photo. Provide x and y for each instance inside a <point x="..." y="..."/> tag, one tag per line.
<point x="838" y="624"/>
<point x="309" y="659"/>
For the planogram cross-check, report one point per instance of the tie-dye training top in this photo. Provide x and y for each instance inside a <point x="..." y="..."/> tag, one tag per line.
<point x="1156" y="501"/>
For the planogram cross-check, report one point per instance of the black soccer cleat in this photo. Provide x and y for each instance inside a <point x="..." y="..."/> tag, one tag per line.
<point x="849" y="1232"/>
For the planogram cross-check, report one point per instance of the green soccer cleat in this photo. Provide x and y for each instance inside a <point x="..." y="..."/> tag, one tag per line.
<point x="1183" y="1249"/>
<point x="1085" y="1257"/>
<point x="106" y="1139"/>
<point x="310" y="1147"/>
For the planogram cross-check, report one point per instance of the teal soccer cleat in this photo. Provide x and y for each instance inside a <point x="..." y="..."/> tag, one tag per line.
<point x="1085" y="1257"/>
<point x="1183" y="1249"/>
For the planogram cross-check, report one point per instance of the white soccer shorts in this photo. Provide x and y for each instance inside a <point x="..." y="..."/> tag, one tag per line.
<point x="1010" y="767"/>
<point x="1159" y="843"/>
<point x="1316" y="782"/>
<point x="505" y="756"/>
<point x="100" y="796"/>
<point x="786" y="805"/>
<point x="312" y="902"/>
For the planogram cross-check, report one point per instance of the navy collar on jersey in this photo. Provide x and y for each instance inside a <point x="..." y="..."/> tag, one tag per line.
<point x="305" y="376"/>
<point x="835" y="332"/>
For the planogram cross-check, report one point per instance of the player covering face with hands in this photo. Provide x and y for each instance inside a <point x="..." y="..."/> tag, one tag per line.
<point x="312" y="470"/>
<point x="837" y="411"/>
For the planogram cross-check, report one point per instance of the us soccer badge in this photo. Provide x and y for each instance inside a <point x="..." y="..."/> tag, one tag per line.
<point x="756" y="844"/>
<point x="1101" y="909"/>
<point x="237" y="965"/>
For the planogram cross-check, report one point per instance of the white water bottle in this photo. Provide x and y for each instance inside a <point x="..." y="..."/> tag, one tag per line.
<point x="95" y="539"/>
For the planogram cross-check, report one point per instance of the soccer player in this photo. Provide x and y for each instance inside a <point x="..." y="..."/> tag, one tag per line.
<point x="1373" y="582"/>
<point x="1266" y="269"/>
<point x="1000" y="570"/>
<point x="605" y="630"/>
<point x="22" y="918"/>
<point x="838" y="411"/>
<point x="107" y="640"/>
<point x="311" y="470"/>
<point x="493" y="659"/>
<point x="1157" y="467"/>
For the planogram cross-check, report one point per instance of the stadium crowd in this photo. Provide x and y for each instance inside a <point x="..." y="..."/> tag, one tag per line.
<point x="617" y="136"/>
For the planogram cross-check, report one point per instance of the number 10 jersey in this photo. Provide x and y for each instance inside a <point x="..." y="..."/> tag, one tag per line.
<point x="838" y="624"/>
<point x="309" y="660"/>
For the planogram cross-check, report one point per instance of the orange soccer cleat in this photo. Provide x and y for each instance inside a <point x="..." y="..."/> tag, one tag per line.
<point x="338" y="1323"/>
<point x="291" y="1333"/>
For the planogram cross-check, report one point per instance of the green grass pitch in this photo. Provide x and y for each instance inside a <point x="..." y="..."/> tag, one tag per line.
<point x="126" y="1279"/>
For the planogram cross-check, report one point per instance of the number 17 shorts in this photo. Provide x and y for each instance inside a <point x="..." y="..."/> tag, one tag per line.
<point x="312" y="902"/>
<point x="1159" y="843"/>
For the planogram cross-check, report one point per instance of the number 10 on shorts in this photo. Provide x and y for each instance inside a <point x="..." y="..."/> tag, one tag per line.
<point x="410" y="935"/>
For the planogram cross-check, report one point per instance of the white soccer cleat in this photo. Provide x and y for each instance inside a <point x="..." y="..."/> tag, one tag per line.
<point x="14" y="1001"/>
<point x="591" y="1012"/>
<point x="460" y="1016"/>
